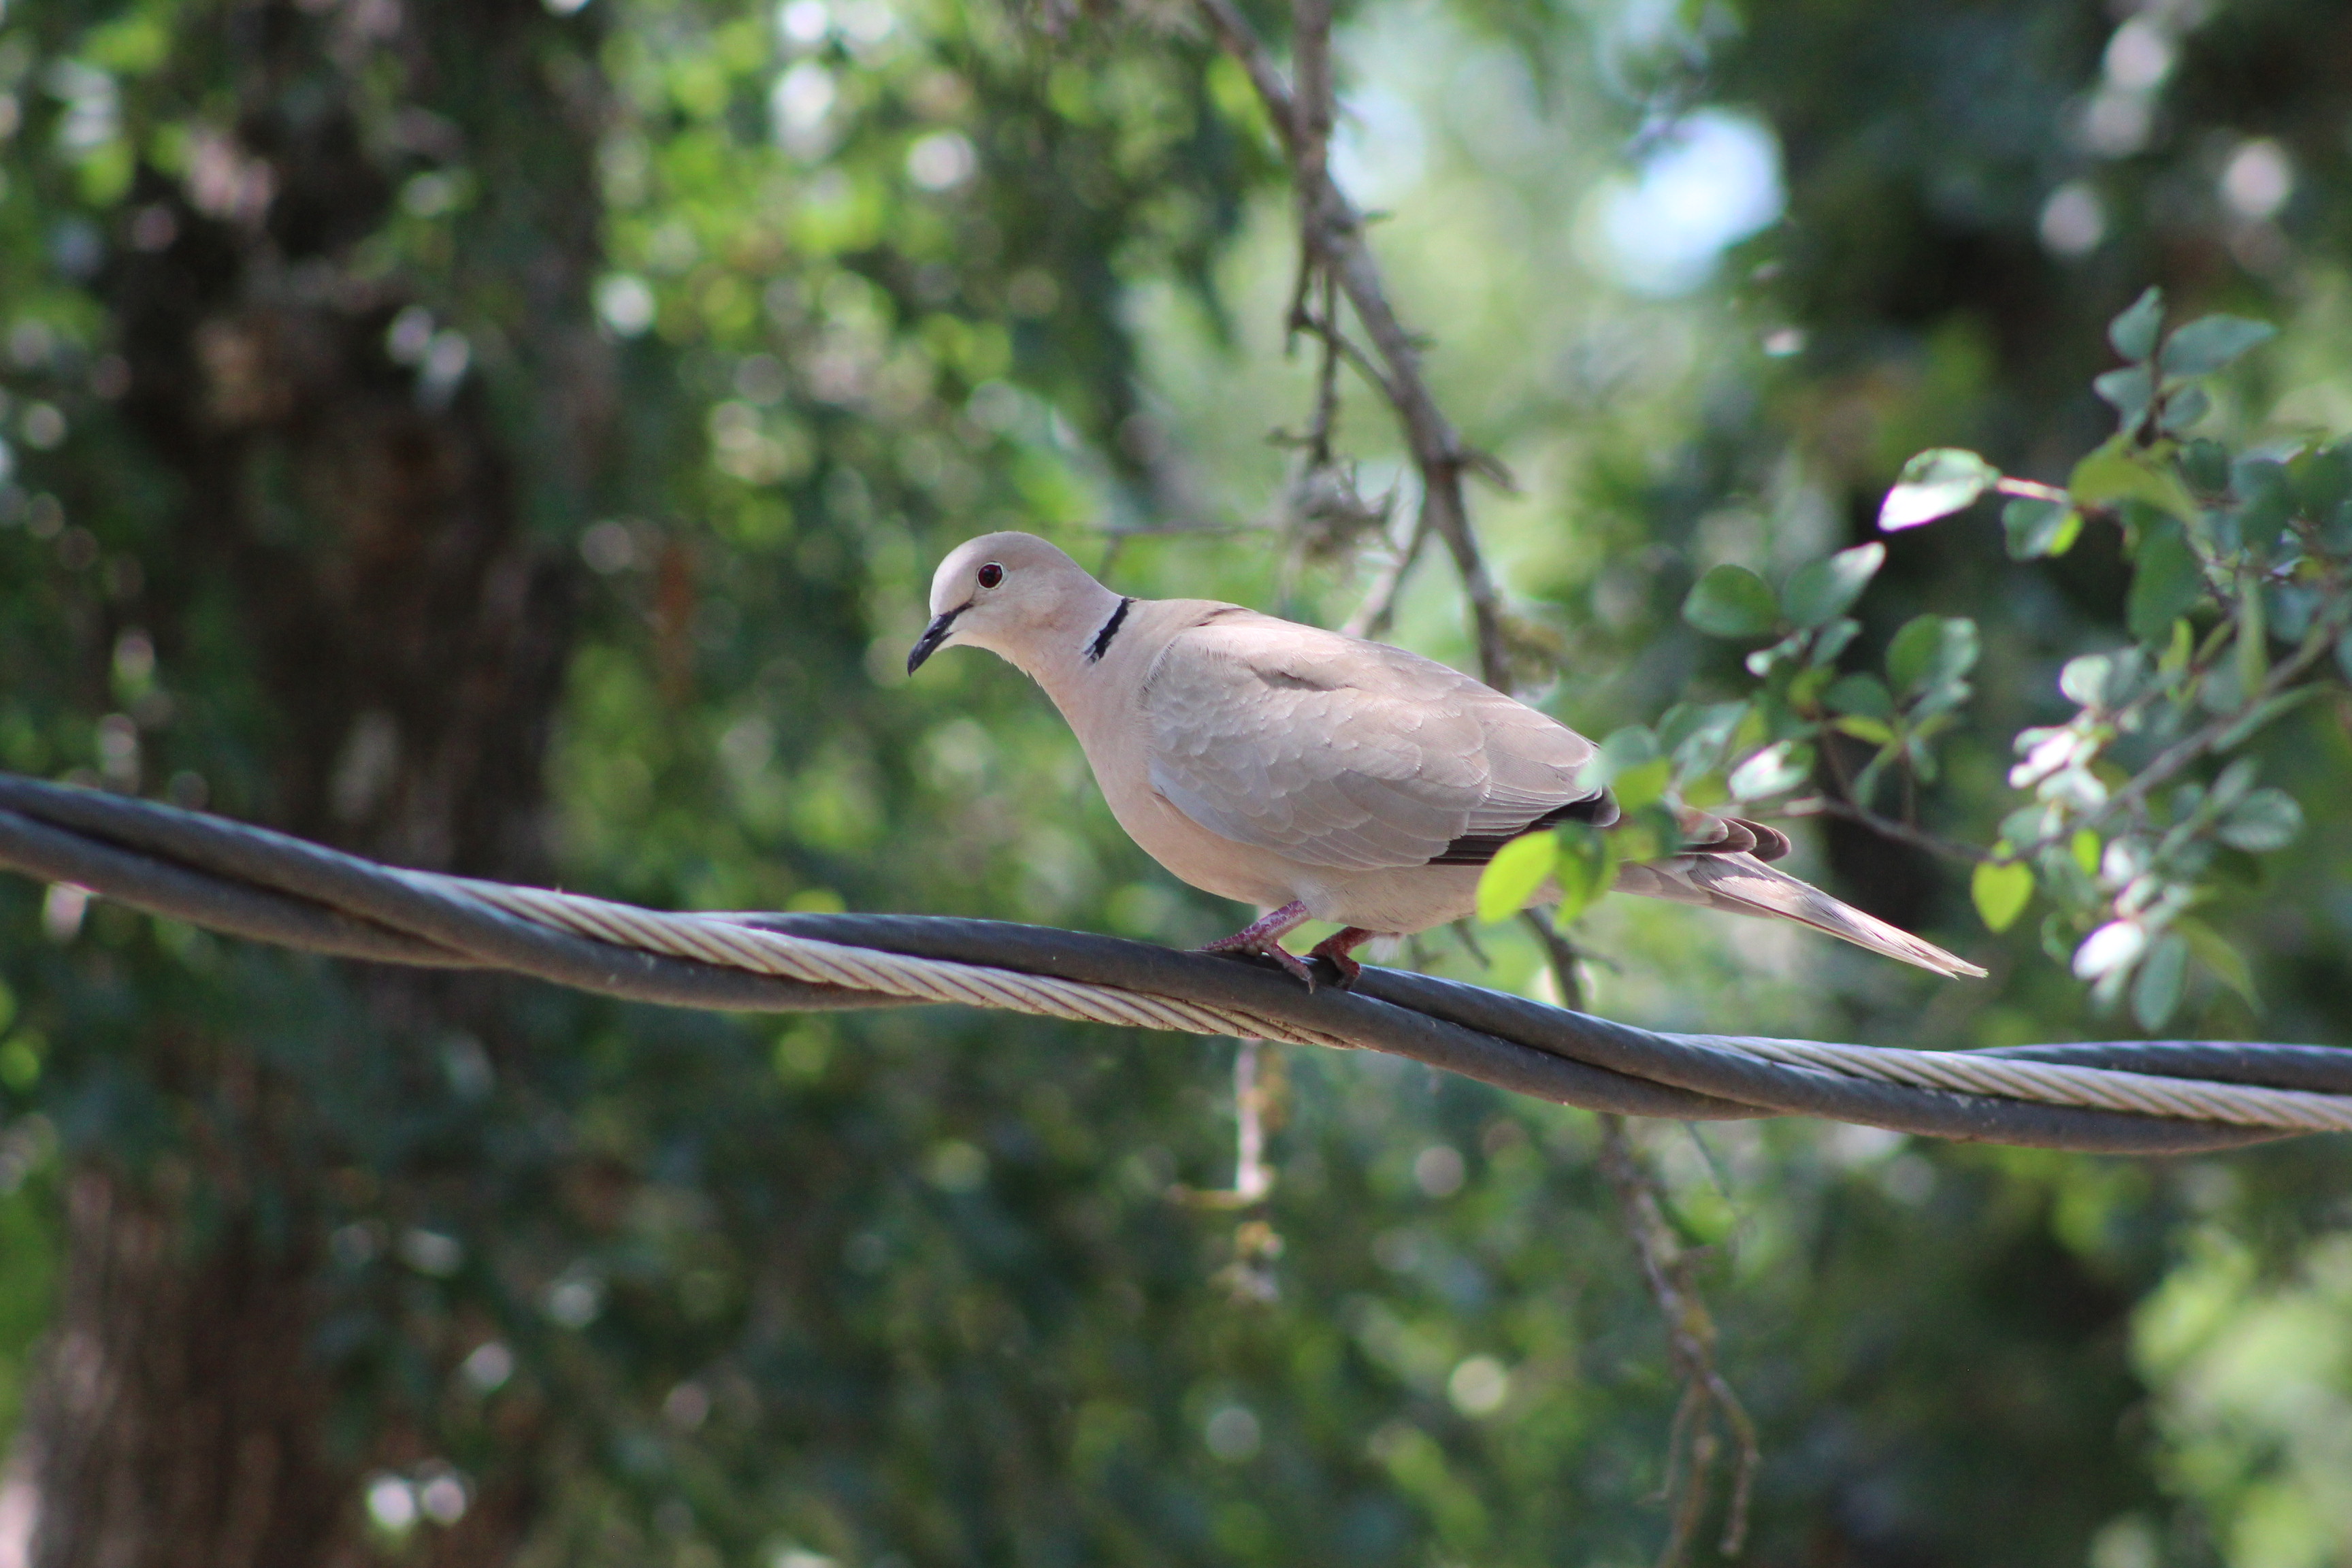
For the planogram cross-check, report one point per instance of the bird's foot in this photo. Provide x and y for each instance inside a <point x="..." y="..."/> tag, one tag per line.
<point x="1263" y="937"/>
<point x="1335" y="949"/>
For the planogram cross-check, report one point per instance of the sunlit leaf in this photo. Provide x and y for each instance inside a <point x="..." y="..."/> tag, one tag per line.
<point x="2000" y="892"/>
<point x="2115" y="946"/>
<point x="1777" y="768"/>
<point x="1642" y="784"/>
<point x="1514" y="875"/>
<point x="1935" y="484"/>
<point x="1585" y="868"/>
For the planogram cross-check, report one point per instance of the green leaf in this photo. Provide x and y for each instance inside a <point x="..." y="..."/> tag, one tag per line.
<point x="1777" y="768"/>
<point x="1624" y="750"/>
<point x="2206" y="466"/>
<point x="2085" y="848"/>
<point x="2128" y="392"/>
<point x="1642" y="784"/>
<point x="2262" y="714"/>
<point x="2183" y="407"/>
<point x="2228" y="964"/>
<point x="2001" y="892"/>
<point x="2155" y="994"/>
<point x="2118" y="945"/>
<point x="1731" y="602"/>
<point x="2133" y="333"/>
<point x="1821" y="591"/>
<point x="1935" y="484"/>
<point x="2211" y="342"/>
<point x="2039" y="528"/>
<point x="1831" y="640"/>
<point x="1931" y="651"/>
<point x="1512" y="877"/>
<point x="2344" y="655"/>
<point x="2117" y="471"/>
<point x="1875" y="732"/>
<point x="2264" y="820"/>
<point x="2166" y="583"/>
<point x="1585" y="868"/>
<point x="1863" y="695"/>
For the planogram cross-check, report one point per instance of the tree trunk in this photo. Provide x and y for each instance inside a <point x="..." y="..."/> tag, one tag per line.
<point x="352" y="494"/>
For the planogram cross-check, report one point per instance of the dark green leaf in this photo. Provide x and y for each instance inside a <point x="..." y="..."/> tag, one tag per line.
<point x="1931" y="651"/>
<point x="1731" y="602"/>
<point x="2211" y="949"/>
<point x="2206" y="466"/>
<point x="2118" y="471"/>
<point x="2264" y="820"/>
<point x="2127" y="391"/>
<point x="2039" y="528"/>
<point x="2211" y="342"/>
<point x="2133" y="333"/>
<point x="1859" y="694"/>
<point x="1935" y="484"/>
<point x="1823" y="590"/>
<point x="2155" y="993"/>
<point x="2166" y="581"/>
<point x="2184" y="408"/>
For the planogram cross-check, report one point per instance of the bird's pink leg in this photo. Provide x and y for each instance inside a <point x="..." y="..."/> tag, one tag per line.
<point x="1336" y="946"/>
<point x="1263" y="935"/>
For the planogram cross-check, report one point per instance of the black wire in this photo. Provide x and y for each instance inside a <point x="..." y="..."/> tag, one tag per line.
<point x="253" y="882"/>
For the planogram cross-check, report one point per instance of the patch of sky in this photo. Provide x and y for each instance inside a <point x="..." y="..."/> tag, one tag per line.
<point x="1704" y="184"/>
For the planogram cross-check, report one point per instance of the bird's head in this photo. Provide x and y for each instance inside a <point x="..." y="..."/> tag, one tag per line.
<point x="1012" y="594"/>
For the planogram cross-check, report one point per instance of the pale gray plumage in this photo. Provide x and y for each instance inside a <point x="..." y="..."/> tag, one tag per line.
<point x="1335" y="778"/>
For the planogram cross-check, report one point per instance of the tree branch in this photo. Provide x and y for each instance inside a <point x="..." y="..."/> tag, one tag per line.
<point x="1332" y="240"/>
<point x="1884" y="826"/>
<point x="1693" y="1442"/>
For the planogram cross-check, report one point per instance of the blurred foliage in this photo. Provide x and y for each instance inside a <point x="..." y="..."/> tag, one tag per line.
<point x="912" y="1289"/>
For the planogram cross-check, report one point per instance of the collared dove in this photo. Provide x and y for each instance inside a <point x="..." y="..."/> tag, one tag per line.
<point x="1322" y="776"/>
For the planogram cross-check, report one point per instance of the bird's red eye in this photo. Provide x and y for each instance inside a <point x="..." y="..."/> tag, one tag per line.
<point x="991" y="575"/>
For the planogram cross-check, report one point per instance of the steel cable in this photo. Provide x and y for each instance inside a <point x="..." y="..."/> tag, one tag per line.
<point x="2119" y="1096"/>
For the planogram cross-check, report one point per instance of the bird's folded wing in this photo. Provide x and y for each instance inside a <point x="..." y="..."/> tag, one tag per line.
<point x="1341" y="754"/>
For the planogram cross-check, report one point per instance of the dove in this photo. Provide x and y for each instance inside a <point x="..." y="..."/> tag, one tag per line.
<point x="1321" y="776"/>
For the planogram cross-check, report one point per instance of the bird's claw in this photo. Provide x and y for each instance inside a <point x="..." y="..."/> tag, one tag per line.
<point x="1292" y="965"/>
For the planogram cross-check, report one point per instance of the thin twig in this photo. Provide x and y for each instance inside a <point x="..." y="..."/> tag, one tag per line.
<point x="1884" y="826"/>
<point x="1332" y="238"/>
<point x="1372" y="616"/>
<point x="1331" y="242"/>
<point x="1694" y="1443"/>
<point x="2169" y="761"/>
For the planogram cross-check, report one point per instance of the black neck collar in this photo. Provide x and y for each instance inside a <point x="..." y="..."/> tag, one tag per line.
<point x="1110" y="629"/>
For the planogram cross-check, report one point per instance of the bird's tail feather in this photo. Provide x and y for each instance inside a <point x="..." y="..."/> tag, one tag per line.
<point x="1744" y="885"/>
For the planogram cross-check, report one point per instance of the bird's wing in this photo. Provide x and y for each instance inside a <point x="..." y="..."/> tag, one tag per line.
<point x="1342" y="753"/>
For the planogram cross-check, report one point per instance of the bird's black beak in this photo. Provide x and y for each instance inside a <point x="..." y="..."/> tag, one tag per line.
<point x="933" y="635"/>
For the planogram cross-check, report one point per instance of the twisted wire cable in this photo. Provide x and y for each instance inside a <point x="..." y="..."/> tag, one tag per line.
<point x="2118" y="1096"/>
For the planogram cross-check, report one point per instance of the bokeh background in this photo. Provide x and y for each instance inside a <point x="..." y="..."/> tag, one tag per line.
<point x="516" y="439"/>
